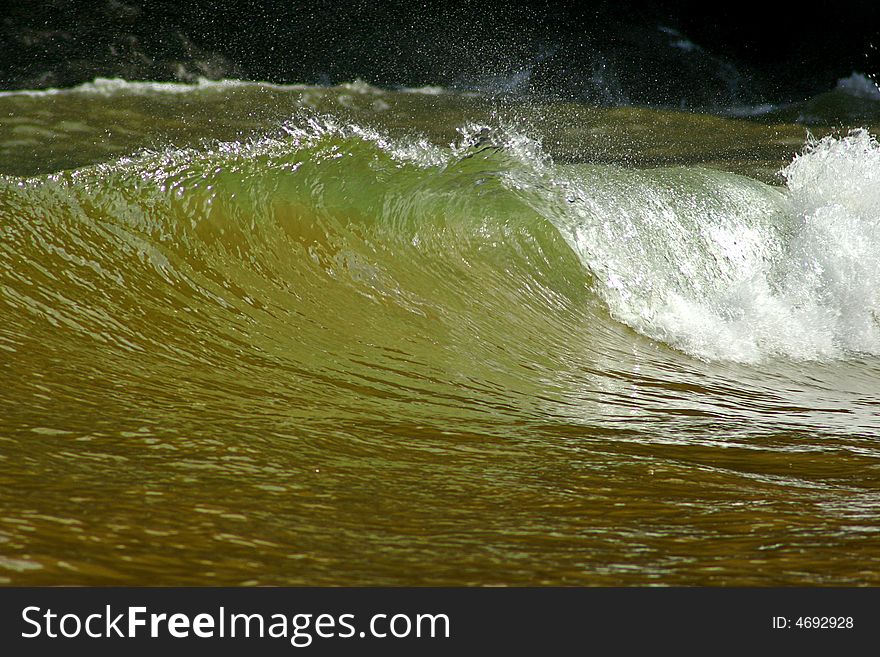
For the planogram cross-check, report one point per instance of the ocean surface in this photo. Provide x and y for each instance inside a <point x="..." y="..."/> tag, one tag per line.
<point x="262" y="334"/>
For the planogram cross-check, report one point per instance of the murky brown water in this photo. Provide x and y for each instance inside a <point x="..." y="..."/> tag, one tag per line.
<point x="339" y="353"/>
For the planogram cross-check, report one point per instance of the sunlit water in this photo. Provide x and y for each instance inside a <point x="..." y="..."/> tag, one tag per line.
<point x="295" y="335"/>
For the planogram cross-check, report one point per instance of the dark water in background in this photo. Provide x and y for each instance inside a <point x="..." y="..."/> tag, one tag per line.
<point x="669" y="53"/>
<point x="539" y="325"/>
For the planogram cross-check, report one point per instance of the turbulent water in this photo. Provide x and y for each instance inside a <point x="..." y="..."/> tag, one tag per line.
<point x="253" y="334"/>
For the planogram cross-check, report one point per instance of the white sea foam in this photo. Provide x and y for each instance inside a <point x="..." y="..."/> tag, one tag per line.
<point x="114" y="86"/>
<point x="427" y="90"/>
<point x="724" y="267"/>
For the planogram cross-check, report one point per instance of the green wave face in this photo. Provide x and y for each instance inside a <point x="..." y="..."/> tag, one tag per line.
<point x="335" y="354"/>
<point x="322" y="256"/>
